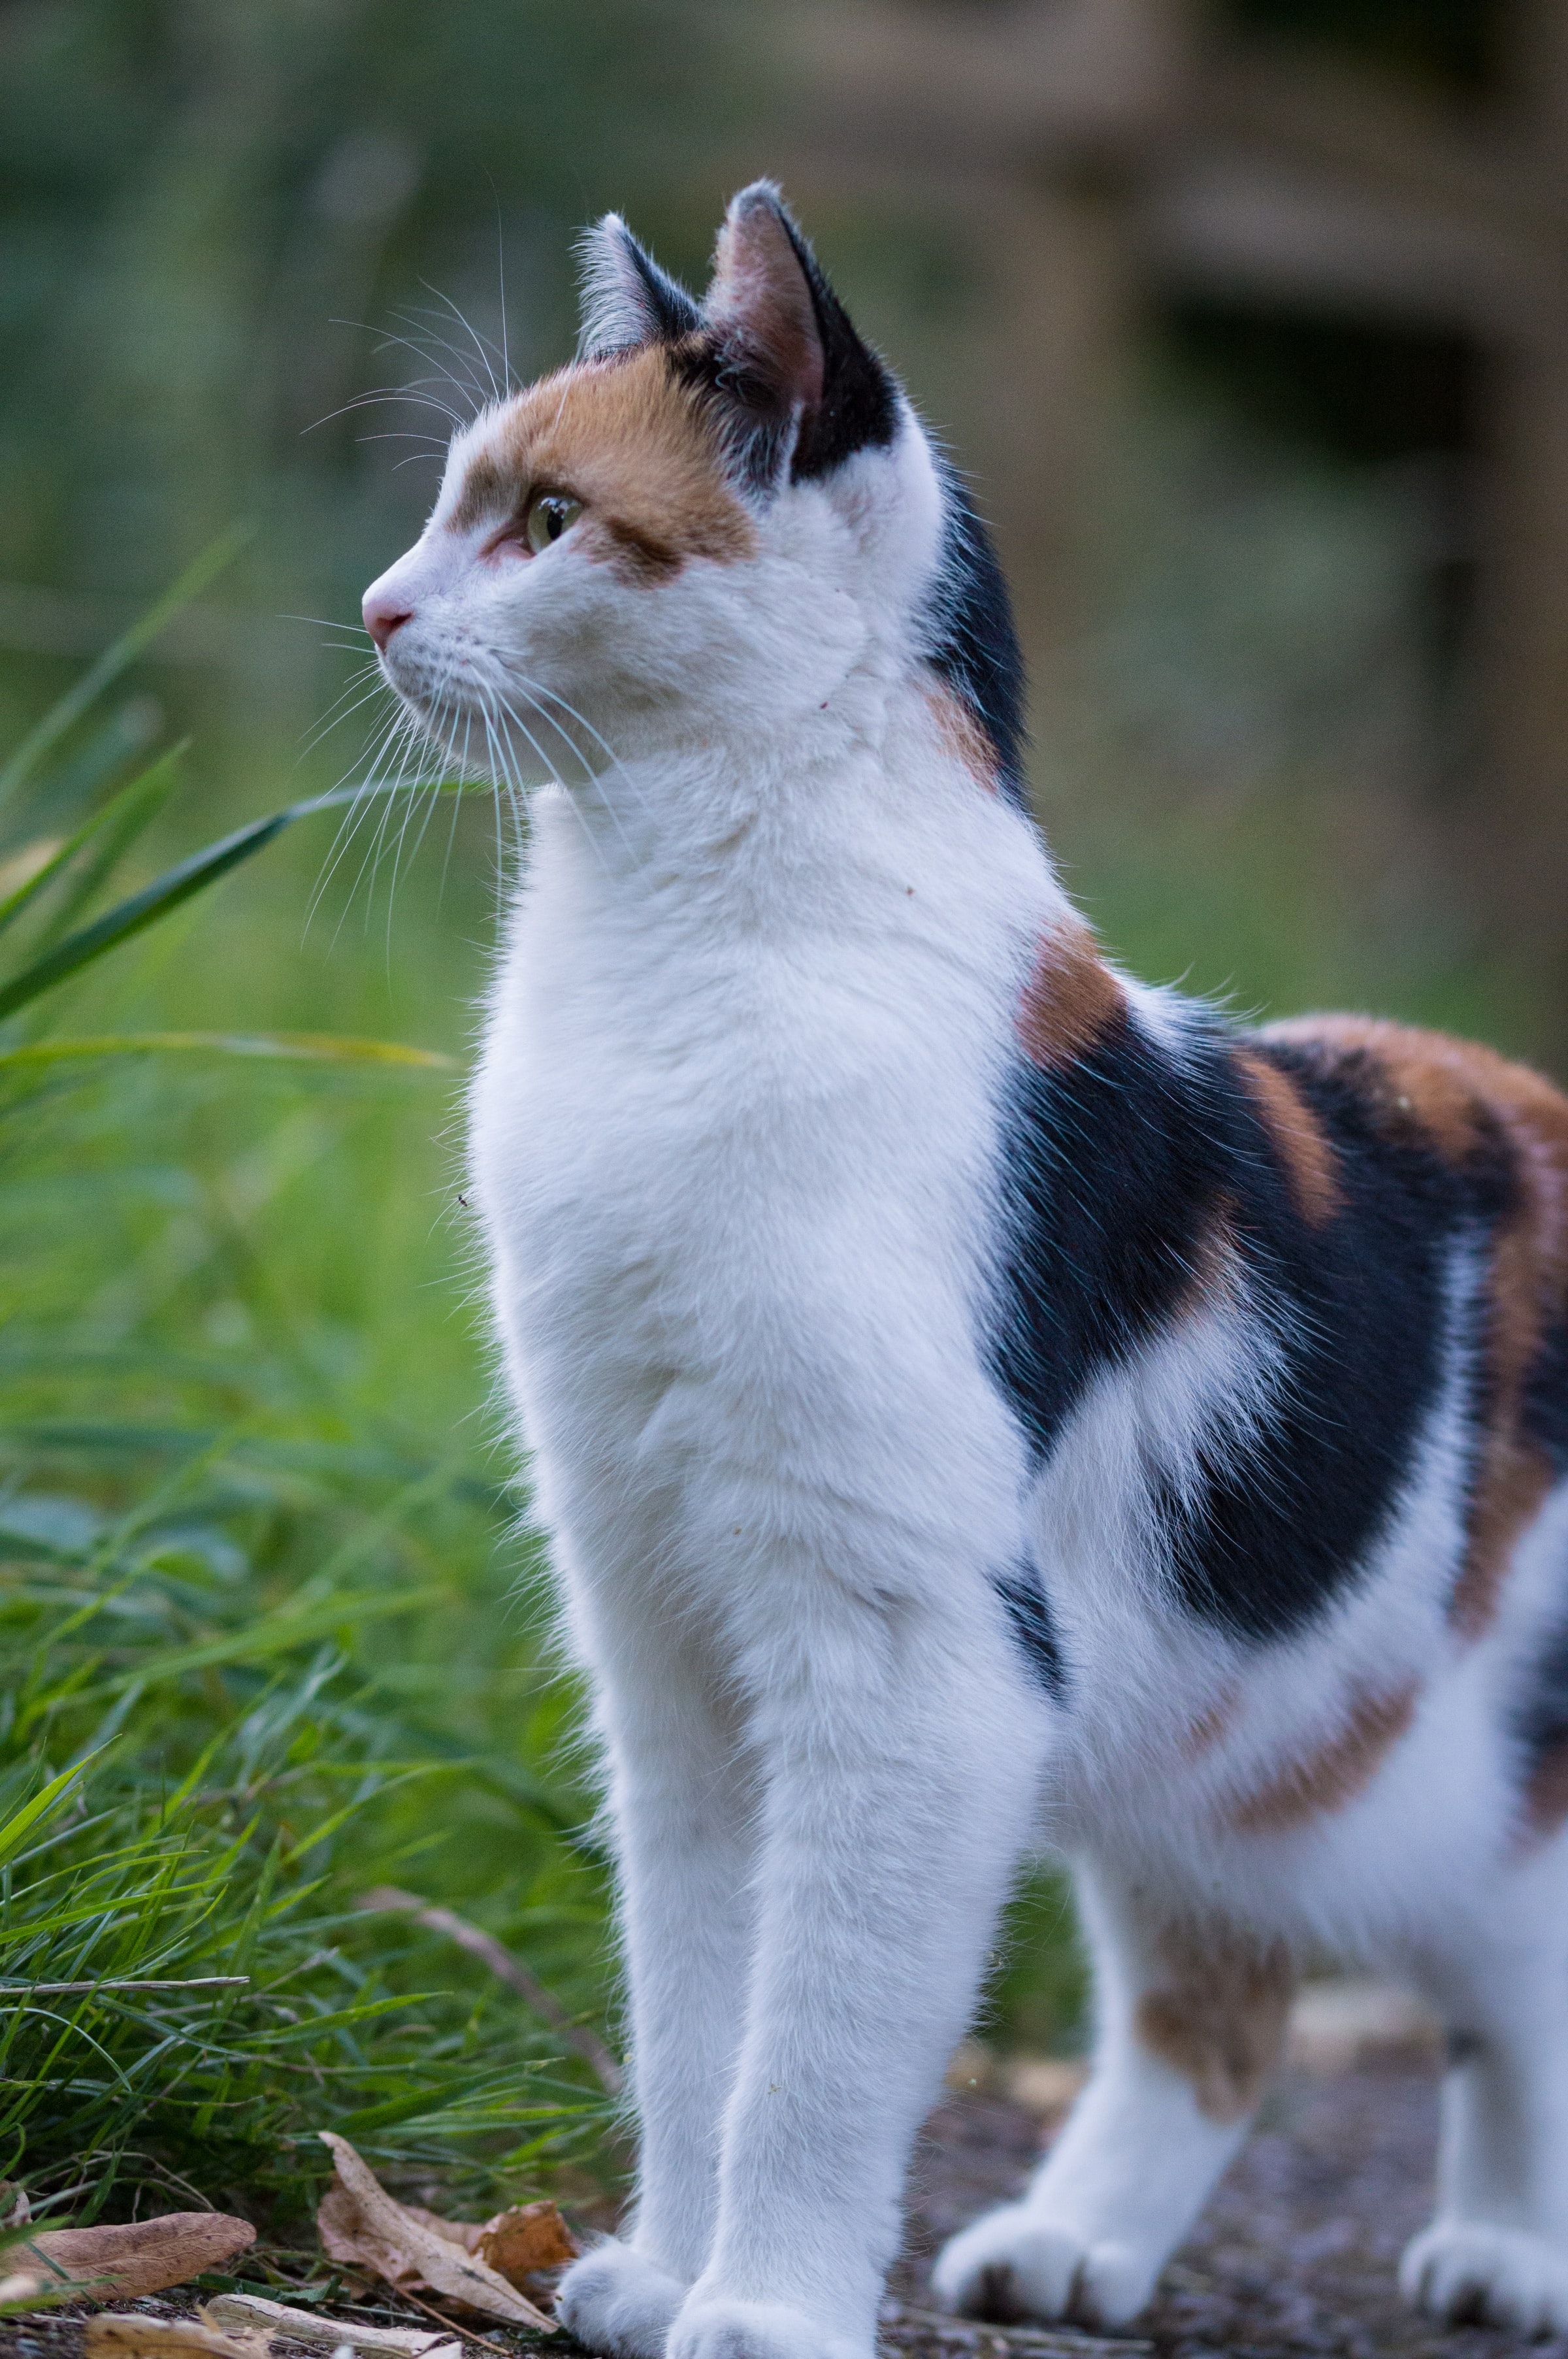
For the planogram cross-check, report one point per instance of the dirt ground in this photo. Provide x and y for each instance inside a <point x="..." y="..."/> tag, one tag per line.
<point x="1297" y="2251"/>
<point x="1296" y="2254"/>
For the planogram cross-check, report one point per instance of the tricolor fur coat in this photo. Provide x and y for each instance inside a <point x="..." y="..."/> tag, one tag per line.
<point x="973" y="1399"/>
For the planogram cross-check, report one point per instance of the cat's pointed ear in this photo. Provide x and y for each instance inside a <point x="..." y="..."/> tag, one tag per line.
<point x="627" y="300"/>
<point x="814" y="390"/>
<point x="761" y="303"/>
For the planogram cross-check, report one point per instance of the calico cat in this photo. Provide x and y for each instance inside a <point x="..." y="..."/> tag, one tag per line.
<point x="975" y="1398"/>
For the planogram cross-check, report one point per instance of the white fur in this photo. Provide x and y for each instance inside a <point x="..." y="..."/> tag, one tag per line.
<point x="734" y="1142"/>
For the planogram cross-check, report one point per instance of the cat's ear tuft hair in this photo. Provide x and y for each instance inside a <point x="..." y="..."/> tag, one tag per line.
<point x="791" y="365"/>
<point x="627" y="300"/>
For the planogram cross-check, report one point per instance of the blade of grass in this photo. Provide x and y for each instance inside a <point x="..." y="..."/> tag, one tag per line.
<point x="251" y="1646"/>
<point x="167" y="892"/>
<point x="70" y="708"/>
<point x="143" y="909"/>
<point x="310" y="1047"/>
<point x="17" y="1826"/>
<point x="12" y="906"/>
<point x="128" y="815"/>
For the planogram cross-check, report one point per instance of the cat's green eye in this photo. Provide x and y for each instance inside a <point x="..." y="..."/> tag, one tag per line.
<point x="551" y="514"/>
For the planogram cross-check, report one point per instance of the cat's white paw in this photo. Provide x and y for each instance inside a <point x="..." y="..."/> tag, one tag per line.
<point x="1462" y="2269"/>
<point x="1014" y="2265"/>
<point x="710" y="2327"/>
<point x="615" y="2301"/>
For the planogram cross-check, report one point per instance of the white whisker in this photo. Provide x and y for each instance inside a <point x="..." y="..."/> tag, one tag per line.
<point x="482" y="345"/>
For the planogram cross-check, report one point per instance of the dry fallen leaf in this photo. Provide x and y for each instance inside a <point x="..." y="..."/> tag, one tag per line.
<point x="144" y="2256"/>
<point x="112" y="2336"/>
<point x="362" y="2224"/>
<point x="231" y="2310"/>
<point x="466" y="2232"/>
<point x="530" y="2236"/>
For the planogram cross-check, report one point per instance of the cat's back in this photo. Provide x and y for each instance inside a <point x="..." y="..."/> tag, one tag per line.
<point x="1459" y="1135"/>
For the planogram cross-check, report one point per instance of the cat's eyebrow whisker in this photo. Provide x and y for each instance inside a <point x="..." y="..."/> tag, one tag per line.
<point x="500" y="279"/>
<point x="483" y="345"/>
<point x="388" y="340"/>
<point x="446" y="345"/>
<point x="413" y="393"/>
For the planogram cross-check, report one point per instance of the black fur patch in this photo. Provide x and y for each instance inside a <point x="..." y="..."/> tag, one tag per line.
<point x="1545" y="1406"/>
<point x="1119" y="1172"/>
<point x="972" y="643"/>
<point x="1022" y="1593"/>
<point x="1539" y="1722"/>
<point x="668" y="312"/>
<point x="744" y="402"/>
<point x="858" y="406"/>
<point x="1111" y="1181"/>
<point x="858" y="410"/>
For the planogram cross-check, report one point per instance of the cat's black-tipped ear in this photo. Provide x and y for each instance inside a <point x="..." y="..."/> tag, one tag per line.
<point x="794" y="365"/>
<point x="627" y="300"/>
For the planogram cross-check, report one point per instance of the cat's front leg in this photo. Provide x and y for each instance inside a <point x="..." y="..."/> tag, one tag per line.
<point x="681" y="1804"/>
<point x="1191" y="2014"/>
<point x="900" y="1766"/>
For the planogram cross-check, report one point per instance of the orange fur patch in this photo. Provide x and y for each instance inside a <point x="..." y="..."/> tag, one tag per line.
<point x="1297" y="1138"/>
<point x="1071" y="998"/>
<point x="1218" y="2016"/>
<point x="963" y="737"/>
<point x="1207" y="1731"/>
<point x="1456" y="1096"/>
<point x="636" y="446"/>
<point x="1339" y="1770"/>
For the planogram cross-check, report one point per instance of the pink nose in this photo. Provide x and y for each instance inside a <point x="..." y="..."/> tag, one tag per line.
<point x="382" y="616"/>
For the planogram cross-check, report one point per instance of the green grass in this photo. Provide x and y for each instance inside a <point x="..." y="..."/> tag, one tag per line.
<point x="270" y="1634"/>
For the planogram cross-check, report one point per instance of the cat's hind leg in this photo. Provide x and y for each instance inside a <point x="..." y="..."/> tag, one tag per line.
<point x="1496" y="2251"/>
<point x="1191" y="2020"/>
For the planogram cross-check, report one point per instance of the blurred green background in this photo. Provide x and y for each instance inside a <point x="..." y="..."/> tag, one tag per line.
<point x="259" y="1530"/>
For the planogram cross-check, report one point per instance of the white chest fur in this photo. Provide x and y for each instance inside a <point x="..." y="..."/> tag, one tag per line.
<point x="733" y="1138"/>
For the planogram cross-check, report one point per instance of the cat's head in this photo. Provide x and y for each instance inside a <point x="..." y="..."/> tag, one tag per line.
<point x="720" y="515"/>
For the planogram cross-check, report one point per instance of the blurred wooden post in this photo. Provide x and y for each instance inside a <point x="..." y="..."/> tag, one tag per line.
<point x="1105" y="154"/>
<point x="1515" y="826"/>
<point x="1049" y="373"/>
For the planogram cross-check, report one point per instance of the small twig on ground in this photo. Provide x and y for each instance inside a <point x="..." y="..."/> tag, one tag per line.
<point x="467" y="2332"/>
<point x="505" y="1968"/>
